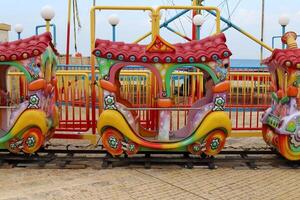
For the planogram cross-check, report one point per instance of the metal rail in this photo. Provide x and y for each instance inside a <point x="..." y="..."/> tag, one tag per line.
<point x="75" y="159"/>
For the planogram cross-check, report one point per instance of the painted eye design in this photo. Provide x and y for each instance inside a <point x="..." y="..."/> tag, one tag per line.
<point x="168" y="59"/>
<point x="120" y="57"/>
<point x="215" y="57"/>
<point x="144" y="59"/>
<point x="132" y="58"/>
<point x="98" y="53"/>
<point x="155" y="59"/>
<point x="226" y="54"/>
<point x="191" y="59"/>
<point x="179" y="59"/>
<point x="109" y="55"/>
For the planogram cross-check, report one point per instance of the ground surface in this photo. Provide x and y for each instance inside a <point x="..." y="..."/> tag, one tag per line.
<point x="139" y="183"/>
<point x="160" y="182"/>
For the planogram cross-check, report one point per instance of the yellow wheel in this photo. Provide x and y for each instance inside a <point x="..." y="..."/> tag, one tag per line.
<point x="112" y="141"/>
<point x="289" y="147"/>
<point x="33" y="139"/>
<point x="215" y="142"/>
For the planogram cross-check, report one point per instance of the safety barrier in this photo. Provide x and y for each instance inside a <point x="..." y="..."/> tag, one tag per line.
<point x="73" y="101"/>
<point x="249" y="97"/>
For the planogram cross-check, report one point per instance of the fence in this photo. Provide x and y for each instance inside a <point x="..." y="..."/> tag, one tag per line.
<point x="249" y="97"/>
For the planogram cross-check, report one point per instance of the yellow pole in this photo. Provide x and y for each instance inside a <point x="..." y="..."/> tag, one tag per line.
<point x="142" y="38"/>
<point x="93" y="91"/>
<point x="92" y="43"/>
<point x="48" y="25"/>
<point x="256" y="40"/>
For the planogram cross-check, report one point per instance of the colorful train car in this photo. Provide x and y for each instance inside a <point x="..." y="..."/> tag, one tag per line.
<point x="208" y="124"/>
<point x="281" y="122"/>
<point x="28" y="118"/>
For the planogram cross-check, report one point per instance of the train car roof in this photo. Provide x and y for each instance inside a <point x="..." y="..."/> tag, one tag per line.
<point x="26" y="48"/>
<point x="211" y="48"/>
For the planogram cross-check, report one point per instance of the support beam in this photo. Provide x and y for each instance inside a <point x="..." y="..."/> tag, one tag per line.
<point x="230" y="24"/>
<point x="165" y="24"/>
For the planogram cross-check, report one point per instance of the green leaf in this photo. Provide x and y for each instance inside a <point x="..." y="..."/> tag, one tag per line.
<point x="284" y="100"/>
<point x="274" y="97"/>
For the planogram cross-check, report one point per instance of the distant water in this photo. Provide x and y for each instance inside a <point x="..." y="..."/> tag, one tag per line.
<point x="246" y="63"/>
<point x="234" y="63"/>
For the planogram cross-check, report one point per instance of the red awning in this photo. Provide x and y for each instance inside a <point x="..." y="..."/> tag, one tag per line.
<point x="205" y="50"/>
<point x="26" y="48"/>
<point x="284" y="57"/>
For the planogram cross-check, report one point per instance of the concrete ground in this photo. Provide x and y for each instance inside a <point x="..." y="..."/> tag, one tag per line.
<point x="159" y="183"/>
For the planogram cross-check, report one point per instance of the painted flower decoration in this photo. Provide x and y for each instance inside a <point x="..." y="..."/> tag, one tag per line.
<point x="131" y="147"/>
<point x="113" y="142"/>
<point x="196" y="148"/>
<point x="109" y="102"/>
<point x="33" y="101"/>
<point x="215" y="143"/>
<point x="219" y="104"/>
<point x="295" y="139"/>
<point x="30" y="141"/>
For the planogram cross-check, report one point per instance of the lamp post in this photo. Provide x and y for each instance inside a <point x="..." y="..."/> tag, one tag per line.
<point x="283" y="21"/>
<point x="198" y="20"/>
<point x="114" y="21"/>
<point x="47" y="14"/>
<point x="19" y="30"/>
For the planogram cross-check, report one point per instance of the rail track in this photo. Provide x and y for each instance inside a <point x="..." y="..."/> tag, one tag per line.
<point x="99" y="159"/>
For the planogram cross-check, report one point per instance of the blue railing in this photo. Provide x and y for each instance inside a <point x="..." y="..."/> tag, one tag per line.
<point x="44" y="26"/>
<point x="234" y="67"/>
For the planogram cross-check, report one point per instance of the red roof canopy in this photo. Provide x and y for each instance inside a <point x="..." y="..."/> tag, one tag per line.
<point x="26" y="48"/>
<point x="284" y="58"/>
<point x="205" y="50"/>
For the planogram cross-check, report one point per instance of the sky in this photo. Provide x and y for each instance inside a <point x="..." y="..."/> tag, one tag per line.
<point x="134" y="24"/>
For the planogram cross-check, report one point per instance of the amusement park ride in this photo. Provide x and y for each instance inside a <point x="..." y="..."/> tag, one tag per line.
<point x="140" y="102"/>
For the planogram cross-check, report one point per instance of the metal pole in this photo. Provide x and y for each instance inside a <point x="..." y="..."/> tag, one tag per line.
<point x="114" y="33"/>
<point x="194" y="34"/>
<point x="48" y="25"/>
<point x="68" y="33"/>
<point x="165" y="24"/>
<point x="177" y="33"/>
<point x="283" y="32"/>
<point x="19" y="35"/>
<point x="242" y="31"/>
<point x="262" y="29"/>
<point x="54" y="31"/>
<point x="93" y="88"/>
<point x="198" y="32"/>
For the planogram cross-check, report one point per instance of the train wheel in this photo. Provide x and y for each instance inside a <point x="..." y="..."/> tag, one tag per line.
<point x="33" y="139"/>
<point x="13" y="145"/>
<point x="269" y="136"/>
<point x="112" y="141"/>
<point x="289" y="147"/>
<point x="195" y="148"/>
<point x="132" y="148"/>
<point x="215" y="142"/>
